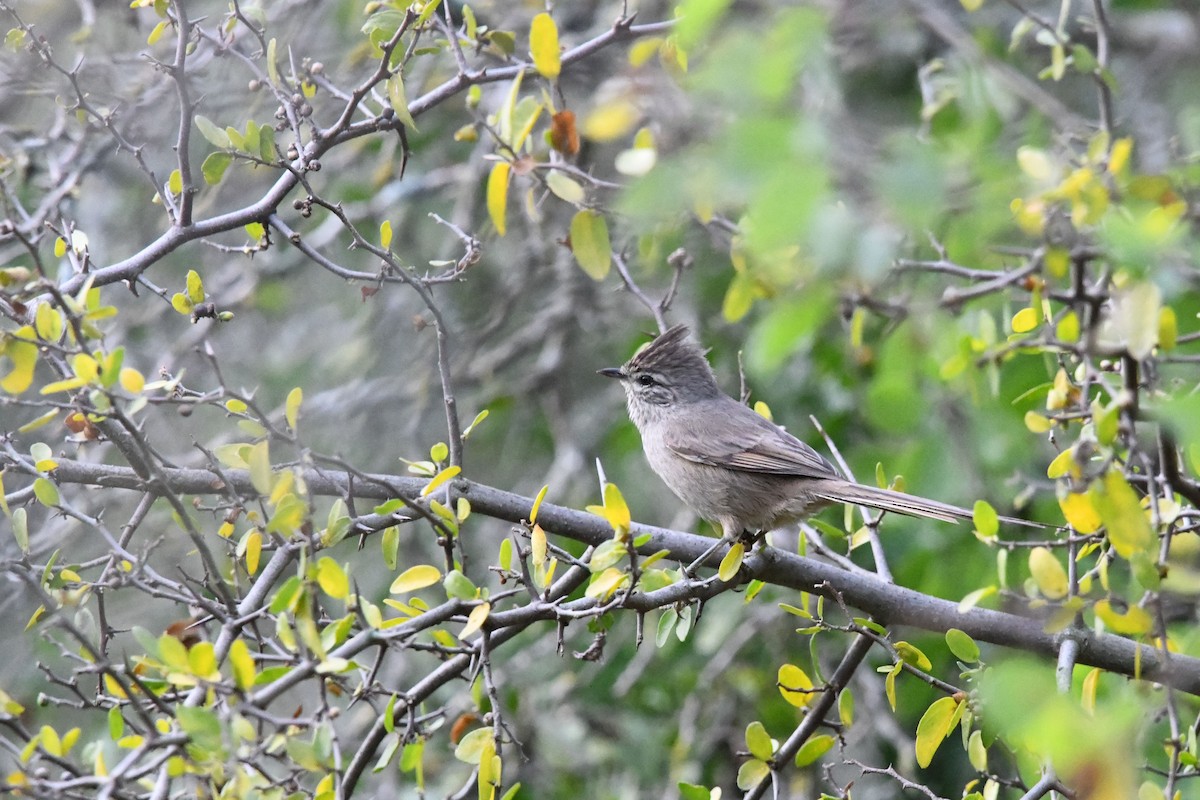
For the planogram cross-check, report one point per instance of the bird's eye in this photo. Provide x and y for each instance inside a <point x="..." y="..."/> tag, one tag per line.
<point x="645" y="380"/>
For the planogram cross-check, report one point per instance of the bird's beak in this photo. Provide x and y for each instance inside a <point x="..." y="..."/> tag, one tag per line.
<point x="611" y="372"/>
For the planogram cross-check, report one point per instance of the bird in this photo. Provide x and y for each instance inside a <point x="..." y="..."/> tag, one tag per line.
<point x="730" y="464"/>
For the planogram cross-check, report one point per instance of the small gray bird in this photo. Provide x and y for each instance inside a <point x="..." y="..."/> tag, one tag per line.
<point x="729" y="464"/>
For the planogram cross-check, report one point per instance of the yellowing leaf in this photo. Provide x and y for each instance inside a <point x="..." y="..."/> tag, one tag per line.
<point x="253" y="550"/>
<point x="415" y="578"/>
<point x="1118" y="505"/>
<point x="1063" y="464"/>
<point x="987" y="522"/>
<point x="537" y="503"/>
<point x="195" y="287"/>
<point x="935" y="725"/>
<point x="332" y="578"/>
<point x="795" y="685"/>
<point x="291" y="408"/>
<point x="497" y="195"/>
<point x="1024" y="320"/>
<point x="242" y="663"/>
<point x="610" y="121"/>
<point x="385" y="234"/>
<point x="1134" y="622"/>
<point x="1048" y="574"/>
<point x="132" y="381"/>
<point x="590" y="244"/>
<point x="1079" y="512"/>
<point x="475" y="619"/>
<point x="732" y="562"/>
<point x="543" y="45"/>
<point x="439" y="479"/>
<point x="259" y="460"/>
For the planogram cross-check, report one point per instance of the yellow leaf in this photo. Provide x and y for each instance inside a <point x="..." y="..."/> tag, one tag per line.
<point x="1091" y="682"/>
<point x="195" y="287"/>
<point x="475" y="620"/>
<point x="987" y="522"/>
<point x="497" y="195"/>
<point x="259" y="460"/>
<point x="439" y="479"/>
<point x="1063" y="464"/>
<point x="1048" y="573"/>
<point x="242" y="663"/>
<point x="537" y="503"/>
<point x="23" y="355"/>
<point x="332" y="578"/>
<point x="253" y="550"/>
<point x="291" y="408"/>
<point x="1079" y="512"/>
<point x="935" y="725"/>
<point x="132" y="381"/>
<point x="1118" y="505"/>
<point x="415" y="578"/>
<point x="1168" y="328"/>
<point x="1036" y="423"/>
<point x="732" y="562"/>
<point x="610" y="121"/>
<point x="795" y="685"/>
<point x="385" y="234"/>
<point x="1024" y="320"/>
<point x="543" y="46"/>
<point x="539" y="545"/>
<point x="1134" y="622"/>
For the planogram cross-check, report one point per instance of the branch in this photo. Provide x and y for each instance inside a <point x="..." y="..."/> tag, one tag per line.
<point x="888" y="603"/>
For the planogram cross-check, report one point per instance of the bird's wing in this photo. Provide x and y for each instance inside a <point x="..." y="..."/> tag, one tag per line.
<point x="752" y="444"/>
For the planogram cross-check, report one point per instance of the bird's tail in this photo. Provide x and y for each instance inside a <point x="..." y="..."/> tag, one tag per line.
<point x="901" y="503"/>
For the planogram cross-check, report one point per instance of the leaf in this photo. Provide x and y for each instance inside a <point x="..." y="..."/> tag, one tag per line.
<point x="45" y="492"/>
<point x="1048" y="574"/>
<point x="471" y="747"/>
<point x="458" y="586"/>
<point x="911" y="654"/>
<point x="253" y="550"/>
<point x="497" y="195"/>
<point x="332" y="578"/>
<point x="214" y="165"/>
<point x="475" y="620"/>
<point x="216" y="136"/>
<point x="242" y="663"/>
<point x="758" y="741"/>
<point x="259" y="461"/>
<point x="385" y="234"/>
<point x="813" y="749"/>
<point x="415" y="578"/>
<point x="732" y="562"/>
<point x="399" y="101"/>
<point x="751" y="773"/>
<point x="291" y="408"/>
<point x="537" y="504"/>
<point x="543" y="46"/>
<point x="795" y="685"/>
<point x="1124" y="520"/>
<point x="987" y="522"/>
<point x="1079" y="512"/>
<point x="962" y="646"/>
<point x="1025" y="320"/>
<point x="935" y="725"/>
<point x="1136" y="621"/>
<point x="439" y="479"/>
<point x="565" y="188"/>
<point x="590" y="244"/>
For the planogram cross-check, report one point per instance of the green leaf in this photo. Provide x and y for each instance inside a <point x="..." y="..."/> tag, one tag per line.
<point x="987" y="522"/>
<point x="202" y="726"/>
<point x="758" y="741"/>
<point x="752" y="773"/>
<point x="216" y="136"/>
<point x="458" y="586"/>
<point x="214" y="166"/>
<point x="259" y="460"/>
<point x="45" y="492"/>
<point x="962" y="646"/>
<point x="589" y="243"/>
<point x="399" y="101"/>
<point x="813" y="749"/>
